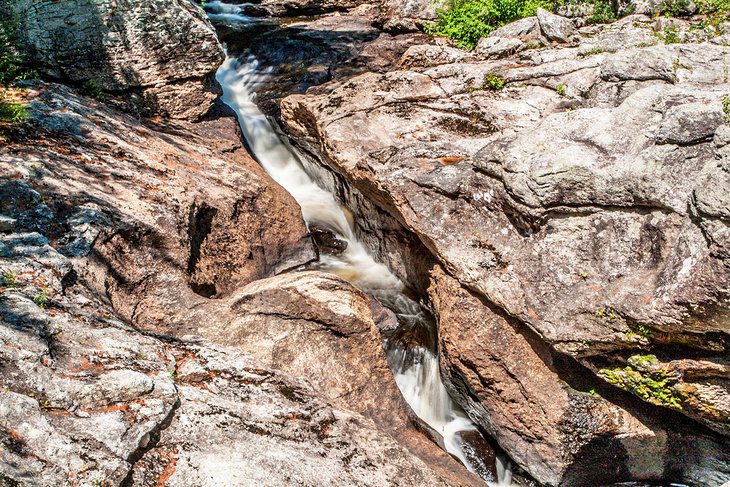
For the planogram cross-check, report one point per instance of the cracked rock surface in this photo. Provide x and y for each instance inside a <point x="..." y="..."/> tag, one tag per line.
<point x="581" y="206"/>
<point x="151" y="334"/>
<point x="161" y="54"/>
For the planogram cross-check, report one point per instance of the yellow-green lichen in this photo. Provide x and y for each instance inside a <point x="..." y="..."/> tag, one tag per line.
<point x="652" y="384"/>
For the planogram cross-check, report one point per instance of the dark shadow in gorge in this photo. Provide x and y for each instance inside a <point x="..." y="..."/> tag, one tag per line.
<point x="310" y="53"/>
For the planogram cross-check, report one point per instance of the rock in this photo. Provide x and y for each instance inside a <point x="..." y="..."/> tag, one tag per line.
<point x="298" y="8"/>
<point x="595" y="224"/>
<point x="312" y="54"/>
<point x="424" y="55"/>
<point x="176" y="217"/>
<point x="161" y="55"/>
<point x="697" y="387"/>
<point x="555" y="27"/>
<point x="299" y="437"/>
<point x="639" y="65"/>
<point x="690" y="123"/>
<point x="327" y="242"/>
<point x="7" y="223"/>
<point x="526" y="30"/>
<point x="86" y="398"/>
<point x="193" y="195"/>
<point x="497" y="47"/>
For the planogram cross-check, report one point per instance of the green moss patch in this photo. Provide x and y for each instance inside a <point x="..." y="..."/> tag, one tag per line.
<point x="643" y="378"/>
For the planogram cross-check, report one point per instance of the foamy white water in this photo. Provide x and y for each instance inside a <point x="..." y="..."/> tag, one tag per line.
<point x="419" y="380"/>
<point x="225" y="11"/>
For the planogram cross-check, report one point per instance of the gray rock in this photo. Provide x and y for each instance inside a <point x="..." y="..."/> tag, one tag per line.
<point x="690" y="123"/>
<point x="555" y="27"/>
<point x="496" y="47"/>
<point x="527" y="30"/>
<point x="7" y="223"/>
<point x="654" y="63"/>
<point x="162" y="54"/>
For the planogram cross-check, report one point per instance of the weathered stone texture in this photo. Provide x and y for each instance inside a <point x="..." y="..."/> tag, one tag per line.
<point x="162" y="53"/>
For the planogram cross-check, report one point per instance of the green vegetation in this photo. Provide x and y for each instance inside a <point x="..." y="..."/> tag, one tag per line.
<point x="726" y="108"/>
<point x="467" y="21"/>
<point x="715" y="11"/>
<point x="12" y="69"/>
<point x="652" y="384"/>
<point x="592" y="51"/>
<point x="12" y="112"/>
<point x="493" y="82"/>
<point x="41" y="299"/>
<point x="606" y="313"/>
<point x="8" y="279"/>
<point x="673" y="8"/>
<point x="639" y="332"/>
<point x="92" y="89"/>
<point x="607" y="11"/>
<point x="671" y="36"/>
<point x="560" y="89"/>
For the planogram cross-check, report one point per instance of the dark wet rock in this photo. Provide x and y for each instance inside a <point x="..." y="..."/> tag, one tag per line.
<point x="326" y="241"/>
<point x="162" y="54"/>
<point x="312" y="54"/>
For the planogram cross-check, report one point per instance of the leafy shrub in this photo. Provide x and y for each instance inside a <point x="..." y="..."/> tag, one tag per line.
<point x="11" y="62"/>
<point x="715" y="11"/>
<point x="467" y="21"/>
<point x="673" y="8"/>
<point x="92" y="89"/>
<point x="607" y="11"/>
<point x="12" y="112"/>
<point x="493" y="82"/>
<point x="671" y="35"/>
<point x="41" y="299"/>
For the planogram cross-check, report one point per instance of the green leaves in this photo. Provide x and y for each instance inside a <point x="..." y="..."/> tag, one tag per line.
<point x="467" y="21"/>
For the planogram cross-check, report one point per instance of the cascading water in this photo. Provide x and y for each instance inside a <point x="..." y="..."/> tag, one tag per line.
<point x="225" y="11"/>
<point x="416" y="368"/>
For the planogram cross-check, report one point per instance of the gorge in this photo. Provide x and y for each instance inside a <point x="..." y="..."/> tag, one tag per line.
<point x="405" y="259"/>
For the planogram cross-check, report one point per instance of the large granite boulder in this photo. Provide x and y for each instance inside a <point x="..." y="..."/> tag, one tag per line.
<point x="582" y="205"/>
<point x="161" y="54"/>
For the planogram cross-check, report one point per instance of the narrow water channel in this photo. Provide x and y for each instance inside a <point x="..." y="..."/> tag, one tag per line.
<point x="414" y="362"/>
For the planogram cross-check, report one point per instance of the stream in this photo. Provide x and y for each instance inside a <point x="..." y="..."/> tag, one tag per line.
<point x="414" y="363"/>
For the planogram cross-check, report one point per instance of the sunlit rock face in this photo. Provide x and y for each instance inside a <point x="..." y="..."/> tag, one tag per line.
<point x="576" y="194"/>
<point x="162" y="53"/>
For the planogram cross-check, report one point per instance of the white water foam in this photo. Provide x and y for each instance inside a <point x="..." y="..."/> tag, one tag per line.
<point x="224" y="11"/>
<point x="419" y="380"/>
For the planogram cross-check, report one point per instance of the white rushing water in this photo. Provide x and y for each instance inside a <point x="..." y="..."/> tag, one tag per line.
<point x="225" y="11"/>
<point x="418" y="377"/>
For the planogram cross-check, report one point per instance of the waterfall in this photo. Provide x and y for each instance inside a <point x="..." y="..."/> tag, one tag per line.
<point x="225" y="11"/>
<point x="416" y="369"/>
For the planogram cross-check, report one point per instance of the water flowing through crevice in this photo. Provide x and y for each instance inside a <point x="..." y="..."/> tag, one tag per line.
<point x="414" y="361"/>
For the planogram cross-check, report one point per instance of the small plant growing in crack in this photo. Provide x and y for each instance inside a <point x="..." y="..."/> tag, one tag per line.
<point x="726" y="108"/>
<point x="606" y="313"/>
<point x="9" y="279"/>
<point x="493" y="82"/>
<point x="41" y="299"/>
<point x="560" y="89"/>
